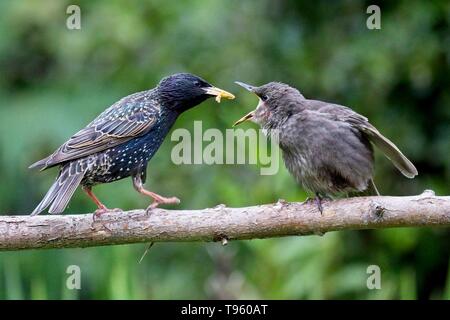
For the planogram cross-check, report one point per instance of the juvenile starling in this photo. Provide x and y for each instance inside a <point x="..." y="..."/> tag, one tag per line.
<point x="325" y="146"/>
<point x="121" y="140"/>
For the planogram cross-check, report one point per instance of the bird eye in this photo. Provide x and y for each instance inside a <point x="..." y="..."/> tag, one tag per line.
<point x="197" y="83"/>
<point x="264" y="97"/>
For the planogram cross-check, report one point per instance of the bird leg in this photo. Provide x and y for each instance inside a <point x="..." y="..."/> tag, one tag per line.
<point x="101" y="207"/>
<point x="157" y="199"/>
<point x="318" y="201"/>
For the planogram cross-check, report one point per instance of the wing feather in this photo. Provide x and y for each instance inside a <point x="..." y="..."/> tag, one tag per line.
<point x="390" y="150"/>
<point x="128" y="118"/>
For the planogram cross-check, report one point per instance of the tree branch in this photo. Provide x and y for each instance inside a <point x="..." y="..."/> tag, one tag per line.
<point x="222" y="223"/>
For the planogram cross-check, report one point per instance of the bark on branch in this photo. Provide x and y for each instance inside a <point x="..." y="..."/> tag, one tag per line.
<point x="222" y="223"/>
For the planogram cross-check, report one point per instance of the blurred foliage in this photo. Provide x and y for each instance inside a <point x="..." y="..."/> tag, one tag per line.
<point x="54" y="81"/>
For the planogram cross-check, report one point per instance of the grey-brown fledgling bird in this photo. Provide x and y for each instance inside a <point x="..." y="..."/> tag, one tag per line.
<point x="326" y="147"/>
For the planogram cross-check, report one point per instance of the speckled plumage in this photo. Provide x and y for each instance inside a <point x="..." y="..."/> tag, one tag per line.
<point x="121" y="140"/>
<point x="131" y="156"/>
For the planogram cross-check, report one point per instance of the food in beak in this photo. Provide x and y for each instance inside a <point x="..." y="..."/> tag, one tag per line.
<point x="244" y="118"/>
<point x="219" y="93"/>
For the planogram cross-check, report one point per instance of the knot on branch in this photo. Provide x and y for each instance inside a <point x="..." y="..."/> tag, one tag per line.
<point x="219" y="207"/>
<point x="428" y="193"/>
<point x="377" y="210"/>
<point x="222" y="238"/>
<point x="281" y="203"/>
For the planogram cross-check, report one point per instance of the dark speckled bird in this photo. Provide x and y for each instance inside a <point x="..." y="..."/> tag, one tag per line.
<point x="121" y="140"/>
<point x="325" y="146"/>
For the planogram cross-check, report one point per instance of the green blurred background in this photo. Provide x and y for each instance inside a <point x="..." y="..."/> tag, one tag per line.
<point x="54" y="81"/>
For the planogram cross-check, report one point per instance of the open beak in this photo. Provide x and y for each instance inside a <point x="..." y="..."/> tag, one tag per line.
<point x="218" y="93"/>
<point x="248" y="116"/>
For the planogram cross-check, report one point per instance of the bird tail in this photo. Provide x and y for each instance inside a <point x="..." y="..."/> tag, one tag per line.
<point x="391" y="151"/>
<point x="61" y="191"/>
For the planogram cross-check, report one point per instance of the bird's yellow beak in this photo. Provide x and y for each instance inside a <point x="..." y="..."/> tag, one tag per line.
<point x="248" y="116"/>
<point x="219" y="93"/>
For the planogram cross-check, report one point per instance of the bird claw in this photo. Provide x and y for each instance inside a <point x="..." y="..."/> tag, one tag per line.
<point x="317" y="200"/>
<point x="173" y="200"/>
<point x="157" y="202"/>
<point x="99" y="212"/>
<point x="103" y="210"/>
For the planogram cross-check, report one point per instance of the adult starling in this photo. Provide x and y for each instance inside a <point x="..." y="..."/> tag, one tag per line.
<point x="121" y="140"/>
<point x="325" y="146"/>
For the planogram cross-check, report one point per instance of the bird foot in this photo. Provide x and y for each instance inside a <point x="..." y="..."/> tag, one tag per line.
<point x="100" y="211"/>
<point x="103" y="210"/>
<point x="162" y="200"/>
<point x="317" y="201"/>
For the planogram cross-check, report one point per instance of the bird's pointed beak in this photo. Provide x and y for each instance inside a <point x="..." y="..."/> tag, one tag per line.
<point x="246" y="86"/>
<point x="248" y="116"/>
<point x="218" y="93"/>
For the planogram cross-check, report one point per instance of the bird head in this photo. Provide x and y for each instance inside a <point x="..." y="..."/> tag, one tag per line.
<point x="277" y="102"/>
<point x="183" y="91"/>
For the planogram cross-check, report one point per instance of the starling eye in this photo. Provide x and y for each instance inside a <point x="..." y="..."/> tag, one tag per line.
<point x="197" y="84"/>
<point x="264" y="97"/>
